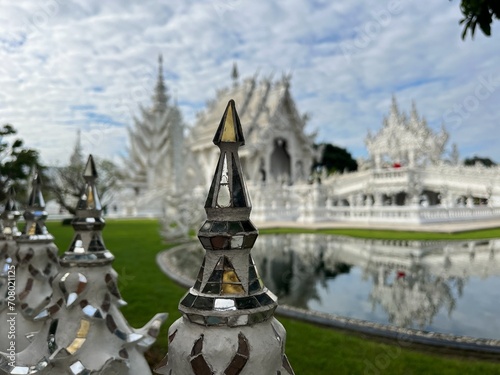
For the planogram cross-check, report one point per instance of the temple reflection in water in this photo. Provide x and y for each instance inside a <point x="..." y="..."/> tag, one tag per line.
<point x="439" y="286"/>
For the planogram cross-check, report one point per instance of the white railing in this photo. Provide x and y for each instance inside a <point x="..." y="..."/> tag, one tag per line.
<point x="408" y="214"/>
<point x="478" y="181"/>
<point x="313" y="203"/>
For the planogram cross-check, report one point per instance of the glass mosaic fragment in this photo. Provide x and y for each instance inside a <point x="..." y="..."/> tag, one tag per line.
<point x="205" y="242"/>
<point x="246" y="303"/>
<point x="224" y="304"/>
<point x="220" y="243"/>
<point x="238" y="193"/>
<point x="188" y="300"/>
<point x="203" y="303"/>
<point x="224" y="195"/>
<point x="237" y="242"/>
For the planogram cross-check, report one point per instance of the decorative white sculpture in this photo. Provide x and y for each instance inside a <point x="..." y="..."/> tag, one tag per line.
<point x="8" y="248"/>
<point x="227" y="325"/>
<point x="84" y="331"/>
<point x="36" y="264"/>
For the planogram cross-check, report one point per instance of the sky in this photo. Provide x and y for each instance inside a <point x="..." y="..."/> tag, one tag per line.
<point x="87" y="65"/>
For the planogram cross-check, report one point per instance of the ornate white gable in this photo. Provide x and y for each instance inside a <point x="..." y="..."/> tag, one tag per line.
<point x="406" y="140"/>
<point x="276" y="143"/>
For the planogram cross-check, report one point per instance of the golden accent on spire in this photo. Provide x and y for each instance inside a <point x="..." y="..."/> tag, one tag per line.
<point x="229" y="130"/>
<point x="229" y="134"/>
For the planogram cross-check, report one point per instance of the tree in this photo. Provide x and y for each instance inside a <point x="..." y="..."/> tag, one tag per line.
<point x="479" y="12"/>
<point x="67" y="184"/>
<point x="487" y="162"/>
<point x="335" y="158"/>
<point x="16" y="162"/>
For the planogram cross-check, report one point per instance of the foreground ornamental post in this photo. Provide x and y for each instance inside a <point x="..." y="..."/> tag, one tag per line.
<point x="8" y="247"/>
<point x="36" y="265"/>
<point x="84" y="332"/>
<point x="227" y="326"/>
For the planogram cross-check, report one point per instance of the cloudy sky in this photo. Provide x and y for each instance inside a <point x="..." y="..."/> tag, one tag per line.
<point x="68" y="65"/>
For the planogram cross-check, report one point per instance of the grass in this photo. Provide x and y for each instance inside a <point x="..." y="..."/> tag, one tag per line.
<point x="312" y="350"/>
<point x="395" y="235"/>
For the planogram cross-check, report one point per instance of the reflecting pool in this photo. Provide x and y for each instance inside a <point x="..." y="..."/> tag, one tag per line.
<point x="441" y="286"/>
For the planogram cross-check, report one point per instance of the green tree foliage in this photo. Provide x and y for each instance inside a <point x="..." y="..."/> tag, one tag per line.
<point x="487" y="162"/>
<point x="336" y="159"/>
<point x="479" y="12"/>
<point x="16" y="163"/>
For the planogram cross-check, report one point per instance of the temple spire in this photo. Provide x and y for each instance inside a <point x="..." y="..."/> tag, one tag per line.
<point x="160" y="96"/>
<point x="394" y="105"/>
<point x="235" y="74"/>
<point x="76" y="157"/>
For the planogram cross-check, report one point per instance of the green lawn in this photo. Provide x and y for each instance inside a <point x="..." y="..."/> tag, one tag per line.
<point x="395" y="235"/>
<point x="312" y="350"/>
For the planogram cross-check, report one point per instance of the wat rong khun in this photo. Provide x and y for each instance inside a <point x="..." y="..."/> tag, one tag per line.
<point x="410" y="180"/>
<point x="63" y="313"/>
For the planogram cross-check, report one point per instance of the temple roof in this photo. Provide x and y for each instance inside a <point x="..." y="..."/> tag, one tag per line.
<point x="265" y="106"/>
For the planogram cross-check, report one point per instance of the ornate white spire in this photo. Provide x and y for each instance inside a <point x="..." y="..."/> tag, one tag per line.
<point x="234" y="74"/>
<point x="154" y="138"/>
<point x="76" y="157"/>
<point x="160" y="97"/>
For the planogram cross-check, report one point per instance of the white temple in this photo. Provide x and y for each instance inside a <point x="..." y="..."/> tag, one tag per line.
<point x="409" y="178"/>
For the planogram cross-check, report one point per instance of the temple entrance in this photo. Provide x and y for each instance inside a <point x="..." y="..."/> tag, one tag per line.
<point x="400" y="199"/>
<point x="280" y="161"/>
<point x="430" y="198"/>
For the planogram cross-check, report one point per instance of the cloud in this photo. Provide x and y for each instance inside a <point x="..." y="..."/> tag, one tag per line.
<point x="70" y="65"/>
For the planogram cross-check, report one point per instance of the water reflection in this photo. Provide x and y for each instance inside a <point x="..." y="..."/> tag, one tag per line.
<point x="442" y="286"/>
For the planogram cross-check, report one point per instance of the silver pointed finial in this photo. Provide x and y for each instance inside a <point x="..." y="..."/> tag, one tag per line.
<point x="35" y="199"/>
<point x="87" y="245"/>
<point x="35" y="214"/>
<point x="90" y="170"/>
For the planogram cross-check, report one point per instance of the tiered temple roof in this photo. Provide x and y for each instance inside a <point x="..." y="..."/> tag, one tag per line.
<point x="266" y="106"/>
